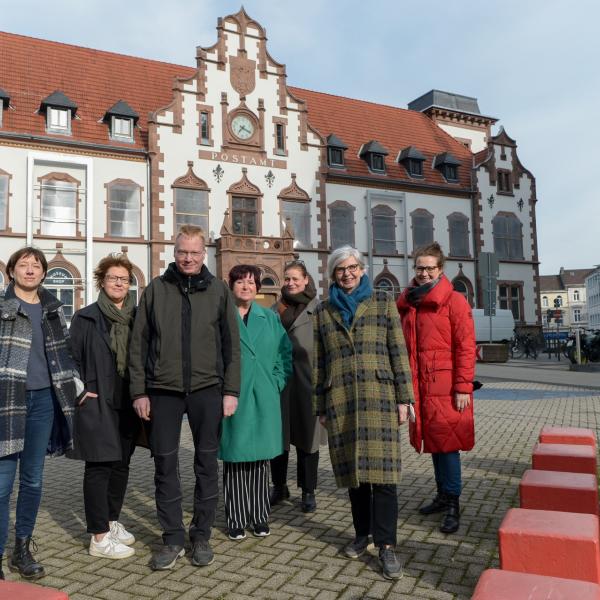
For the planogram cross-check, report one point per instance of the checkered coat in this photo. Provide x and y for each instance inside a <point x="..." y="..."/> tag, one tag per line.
<point x="15" y="345"/>
<point x="360" y="375"/>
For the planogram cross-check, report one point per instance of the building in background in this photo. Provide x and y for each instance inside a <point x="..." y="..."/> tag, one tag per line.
<point x="101" y="152"/>
<point x="592" y="291"/>
<point x="565" y="292"/>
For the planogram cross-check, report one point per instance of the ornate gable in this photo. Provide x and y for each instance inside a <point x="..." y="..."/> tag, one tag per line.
<point x="294" y="192"/>
<point x="244" y="187"/>
<point x="190" y="180"/>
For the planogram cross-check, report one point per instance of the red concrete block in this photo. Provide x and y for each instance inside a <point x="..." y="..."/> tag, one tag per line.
<point x="546" y="542"/>
<point x="11" y="590"/>
<point x="572" y="458"/>
<point x="555" y="490"/>
<point x="507" y="585"/>
<point x="567" y="435"/>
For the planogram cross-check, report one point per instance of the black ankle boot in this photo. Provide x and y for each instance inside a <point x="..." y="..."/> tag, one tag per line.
<point x="278" y="494"/>
<point x="22" y="560"/>
<point x="1" y="571"/>
<point x="451" y="519"/>
<point x="309" y="502"/>
<point x="438" y="504"/>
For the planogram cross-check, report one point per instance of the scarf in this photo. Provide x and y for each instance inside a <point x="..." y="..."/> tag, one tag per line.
<point x="347" y="304"/>
<point x="188" y="284"/>
<point x="291" y="306"/>
<point x="416" y="293"/>
<point x="120" y="330"/>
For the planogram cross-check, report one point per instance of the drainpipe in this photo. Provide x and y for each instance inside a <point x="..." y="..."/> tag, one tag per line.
<point x="89" y="233"/>
<point x="149" y="219"/>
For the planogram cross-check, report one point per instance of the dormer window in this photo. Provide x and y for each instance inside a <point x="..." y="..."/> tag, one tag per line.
<point x="448" y="166"/>
<point x="121" y="119"/>
<point x="335" y="152"/>
<point x="59" y="111"/>
<point x="374" y="153"/>
<point x="412" y="160"/>
<point x="4" y="103"/>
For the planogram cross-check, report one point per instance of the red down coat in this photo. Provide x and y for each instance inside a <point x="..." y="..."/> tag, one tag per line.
<point x="440" y="338"/>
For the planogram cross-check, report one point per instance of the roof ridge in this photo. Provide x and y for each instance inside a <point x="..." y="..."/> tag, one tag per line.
<point x="88" y="48"/>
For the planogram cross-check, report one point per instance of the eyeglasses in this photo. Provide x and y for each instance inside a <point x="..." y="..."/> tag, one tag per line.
<point x="184" y="254"/>
<point x="115" y="278"/>
<point x="429" y="270"/>
<point x="350" y="268"/>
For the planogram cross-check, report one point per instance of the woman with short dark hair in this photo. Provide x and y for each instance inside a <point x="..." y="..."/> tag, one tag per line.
<point x="38" y="390"/>
<point x="252" y="435"/>
<point x="105" y="424"/>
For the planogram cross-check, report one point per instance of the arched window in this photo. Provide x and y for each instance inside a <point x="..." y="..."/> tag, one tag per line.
<point x="267" y="281"/>
<point x="134" y="289"/>
<point x="341" y="224"/>
<point x="422" y="227"/>
<point x="60" y="282"/>
<point x="124" y="208"/>
<point x="461" y="287"/>
<point x="458" y="231"/>
<point x="508" y="236"/>
<point x="576" y="295"/>
<point x="558" y="301"/>
<point x="545" y="301"/>
<point x="384" y="229"/>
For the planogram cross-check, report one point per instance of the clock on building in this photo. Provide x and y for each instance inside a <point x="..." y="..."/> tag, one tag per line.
<point x="242" y="127"/>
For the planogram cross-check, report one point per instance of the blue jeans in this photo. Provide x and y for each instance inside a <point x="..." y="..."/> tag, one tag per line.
<point x="38" y="425"/>
<point x="446" y="466"/>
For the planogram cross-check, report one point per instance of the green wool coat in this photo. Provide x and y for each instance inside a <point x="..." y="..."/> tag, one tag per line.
<point x="254" y="431"/>
<point x="360" y="376"/>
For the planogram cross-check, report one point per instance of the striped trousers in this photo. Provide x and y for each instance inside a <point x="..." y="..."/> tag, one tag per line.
<point x="246" y="493"/>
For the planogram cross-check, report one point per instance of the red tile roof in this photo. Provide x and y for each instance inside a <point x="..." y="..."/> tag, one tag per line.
<point x="357" y="122"/>
<point x="31" y="69"/>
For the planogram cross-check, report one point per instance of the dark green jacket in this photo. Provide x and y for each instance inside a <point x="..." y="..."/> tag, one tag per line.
<point x="185" y="336"/>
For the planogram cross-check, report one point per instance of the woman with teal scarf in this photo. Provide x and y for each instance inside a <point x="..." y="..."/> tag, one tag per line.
<point x="363" y="393"/>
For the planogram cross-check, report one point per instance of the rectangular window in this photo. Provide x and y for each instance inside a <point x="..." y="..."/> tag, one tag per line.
<point x="577" y="315"/>
<point x="451" y="172"/>
<point x="59" y="208"/>
<point x="299" y="215"/>
<point x="415" y="167"/>
<point x="384" y="233"/>
<point x="504" y="182"/>
<point x="3" y="202"/>
<point x="191" y="207"/>
<point x="336" y="157"/>
<point x="459" y="237"/>
<point x="377" y="163"/>
<point x="422" y="226"/>
<point x="244" y="216"/>
<point x="124" y="211"/>
<point x="341" y="226"/>
<point x="204" y="128"/>
<point x="122" y="128"/>
<point x="58" y="120"/>
<point x="510" y="298"/>
<point x="280" y="138"/>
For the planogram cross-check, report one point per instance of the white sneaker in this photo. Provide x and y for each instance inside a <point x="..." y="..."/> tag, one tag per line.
<point x="119" y="533"/>
<point x="109" y="547"/>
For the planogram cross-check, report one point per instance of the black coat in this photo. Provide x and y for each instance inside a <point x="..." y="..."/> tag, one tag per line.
<point x="97" y="423"/>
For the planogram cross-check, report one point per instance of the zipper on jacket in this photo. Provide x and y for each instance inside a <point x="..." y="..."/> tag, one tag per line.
<point x="186" y="338"/>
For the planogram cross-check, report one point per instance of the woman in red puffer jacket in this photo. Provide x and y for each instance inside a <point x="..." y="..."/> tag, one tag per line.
<point x="440" y="337"/>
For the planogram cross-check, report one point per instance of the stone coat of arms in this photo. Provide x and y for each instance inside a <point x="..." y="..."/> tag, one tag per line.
<point x="242" y="74"/>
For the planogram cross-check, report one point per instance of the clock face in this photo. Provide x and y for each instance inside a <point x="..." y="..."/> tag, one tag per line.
<point x="242" y="127"/>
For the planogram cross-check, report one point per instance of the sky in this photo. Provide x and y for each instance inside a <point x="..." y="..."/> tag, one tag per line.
<point x="533" y="64"/>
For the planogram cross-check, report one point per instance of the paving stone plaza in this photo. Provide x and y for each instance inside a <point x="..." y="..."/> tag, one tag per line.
<point x="302" y="558"/>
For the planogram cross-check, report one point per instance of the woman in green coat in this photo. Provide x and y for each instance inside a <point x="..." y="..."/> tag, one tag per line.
<point x="363" y="394"/>
<point x="253" y="435"/>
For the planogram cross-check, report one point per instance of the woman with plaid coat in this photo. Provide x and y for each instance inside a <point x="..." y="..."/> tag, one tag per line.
<point x="363" y="394"/>
<point x="38" y="391"/>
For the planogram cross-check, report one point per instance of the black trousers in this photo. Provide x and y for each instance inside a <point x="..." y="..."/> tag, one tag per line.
<point x="105" y="483"/>
<point x="375" y="511"/>
<point x="246" y="493"/>
<point x="308" y="465"/>
<point x="204" y="410"/>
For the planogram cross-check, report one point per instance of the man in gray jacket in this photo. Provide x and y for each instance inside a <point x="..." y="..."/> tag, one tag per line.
<point x="185" y="358"/>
